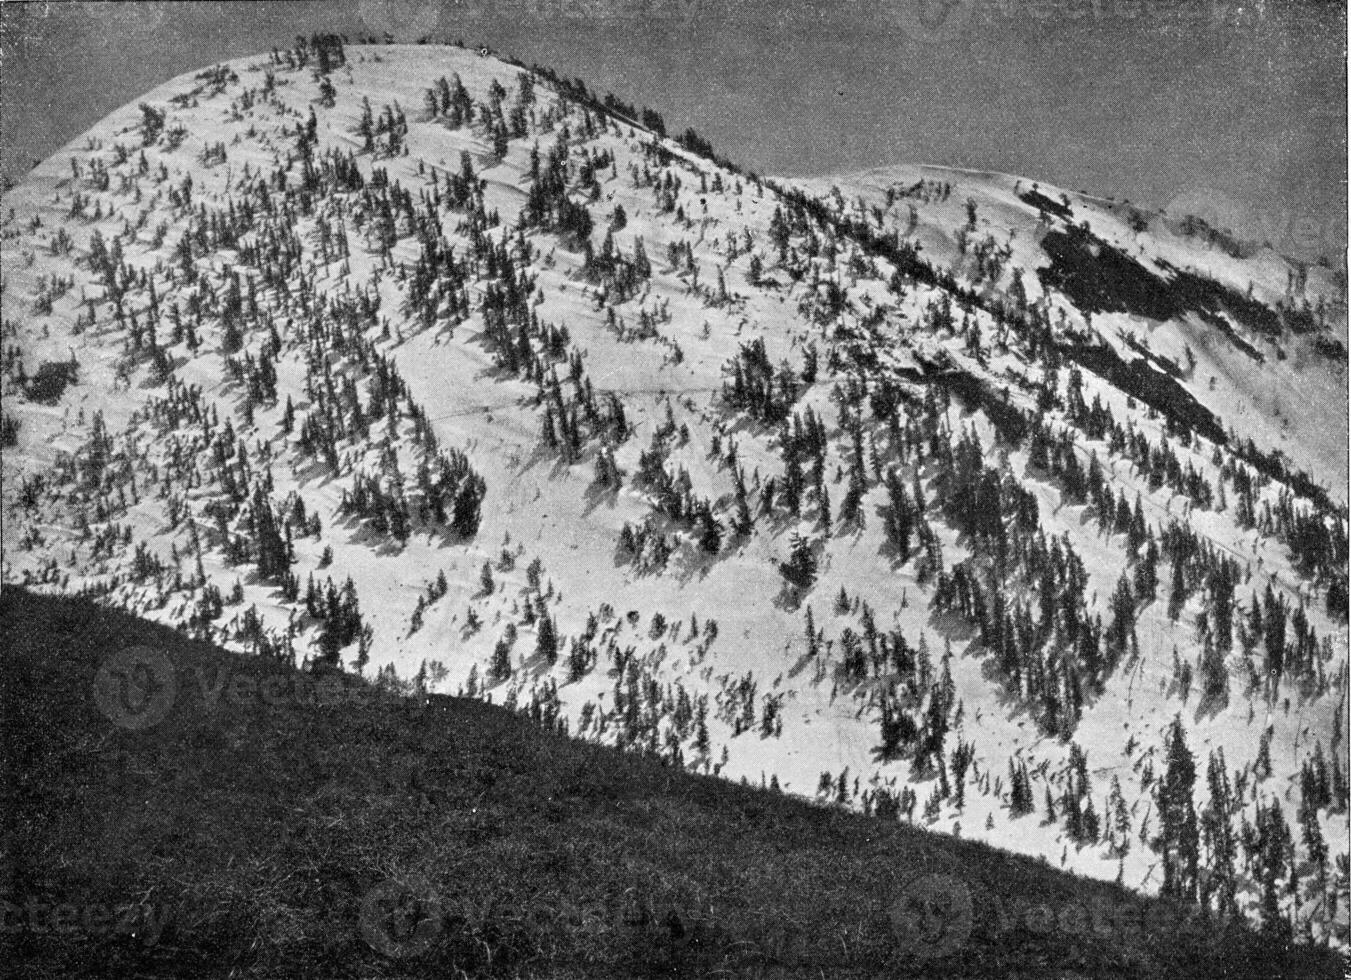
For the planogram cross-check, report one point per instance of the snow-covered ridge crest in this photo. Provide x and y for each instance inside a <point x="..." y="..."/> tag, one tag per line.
<point x="954" y="497"/>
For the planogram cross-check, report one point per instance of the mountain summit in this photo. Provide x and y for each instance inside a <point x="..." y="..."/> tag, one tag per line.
<point x="952" y="497"/>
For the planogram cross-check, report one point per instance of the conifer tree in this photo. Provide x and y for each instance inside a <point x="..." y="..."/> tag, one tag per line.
<point x="1262" y="765"/>
<point x="1222" y="606"/>
<point x="1177" y="593"/>
<point x="1177" y="840"/>
<point x="500" y="668"/>
<point x="1272" y="845"/>
<point x="800" y="569"/>
<point x="1314" y="845"/>
<point x="546" y="644"/>
<point x="1214" y="674"/>
<point x="1217" y="835"/>
<point x="1123" y="615"/>
<point x="1118" y="820"/>
<point x="1020" y="790"/>
<point x="274" y="552"/>
<point x="962" y="757"/>
<point x="1089" y="822"/>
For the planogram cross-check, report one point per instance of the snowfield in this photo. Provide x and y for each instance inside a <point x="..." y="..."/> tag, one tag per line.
<point x="252" y="330"/>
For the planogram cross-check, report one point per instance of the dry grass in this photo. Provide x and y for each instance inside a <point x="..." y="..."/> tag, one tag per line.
<point x="246" y="838"/>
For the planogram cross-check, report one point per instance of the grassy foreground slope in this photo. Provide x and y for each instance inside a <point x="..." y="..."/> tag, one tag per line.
<point x="266" y="827"/>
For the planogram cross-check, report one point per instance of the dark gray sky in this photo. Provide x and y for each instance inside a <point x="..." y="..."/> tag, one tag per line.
<point x="1221" y="100"/>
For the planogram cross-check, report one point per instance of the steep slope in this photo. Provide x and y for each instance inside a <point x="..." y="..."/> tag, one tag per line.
<point x="268" y="825"/>
<point x="1257" y="339"/>
<point x="480" y="386"/>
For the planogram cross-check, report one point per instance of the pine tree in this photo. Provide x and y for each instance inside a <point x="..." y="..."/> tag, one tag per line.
<point x="1272" y="844"/>
<point x="933" y="805"/>
<point x="1177" y="841"/>
<point x="1273" y="634"/>
<point x="1123" y="615"/>
<point x="1222" y="606"/>
<point x="1314" y="845"/>
<point x="1214" y="674"/>
<point x="1146" y="571"/>
<point x="546" y="645"/>
<point x="1177" y="594"/>
<point x="1338" y="783"/>
<point x="273" y="551"/>
<point x="800" y="569"/>
<point x="1089" y="822"/>
<point x="1020" y="790"/>
<point x="1118" y="821"/>
<point x="1217" y="834"/>
<point x="962" y="757"/>
<point x="1262" y="765"/>
<point x="500" y="668"/>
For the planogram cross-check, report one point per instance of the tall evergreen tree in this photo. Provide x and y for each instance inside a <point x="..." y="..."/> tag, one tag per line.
<point x="1214" y="674"/>
<point x="800" y="568"/>
<point x="500" y="667"/>
<point x="1177" y="841"/>
<point x="1217" y="834"/>
<point x="1273" y="845"/>
<point x="546" y="644"/>
<point x="1118" y="819"/>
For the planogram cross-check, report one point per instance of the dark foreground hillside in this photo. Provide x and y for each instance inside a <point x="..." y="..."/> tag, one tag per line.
<point x="212" y="815"/>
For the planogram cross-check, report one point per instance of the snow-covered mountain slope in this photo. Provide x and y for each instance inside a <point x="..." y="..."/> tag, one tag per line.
<point x="906" y="496"/>
<point x="1259" y="339"/>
